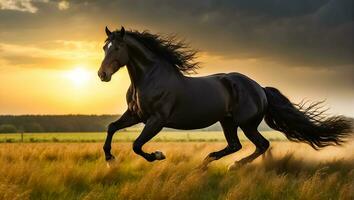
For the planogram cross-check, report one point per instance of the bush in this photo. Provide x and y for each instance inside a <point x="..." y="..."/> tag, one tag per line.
<point x="8" y="128"/>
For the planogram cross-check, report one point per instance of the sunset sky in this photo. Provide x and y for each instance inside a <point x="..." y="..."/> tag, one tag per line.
<point x="50" y="51"/>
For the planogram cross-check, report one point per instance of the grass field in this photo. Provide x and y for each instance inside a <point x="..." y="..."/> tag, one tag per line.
<point x="78" y="171"/>
<point x="128" y="136"/>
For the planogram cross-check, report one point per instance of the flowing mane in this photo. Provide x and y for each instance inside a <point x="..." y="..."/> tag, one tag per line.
<point x="170" y="48"/>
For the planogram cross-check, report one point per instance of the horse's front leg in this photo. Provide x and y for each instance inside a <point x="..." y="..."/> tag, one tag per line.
<point x="152" y="127"/>
<point x="126" y="120"/>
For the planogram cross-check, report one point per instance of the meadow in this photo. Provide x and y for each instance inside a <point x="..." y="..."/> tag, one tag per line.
<point x="77" y="170"/>
<point x="128" y="136"/>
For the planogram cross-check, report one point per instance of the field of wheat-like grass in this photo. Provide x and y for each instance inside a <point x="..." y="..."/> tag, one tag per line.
<point x="78" y="171"/>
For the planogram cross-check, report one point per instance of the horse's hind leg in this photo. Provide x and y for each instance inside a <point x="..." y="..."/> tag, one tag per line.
<point x="233" y="143"/>
<point x="256" y="138"/>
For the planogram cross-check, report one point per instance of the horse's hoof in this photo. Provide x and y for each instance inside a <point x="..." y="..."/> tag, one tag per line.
<point x="159" y="155"/>
<point x="111" y="162"/>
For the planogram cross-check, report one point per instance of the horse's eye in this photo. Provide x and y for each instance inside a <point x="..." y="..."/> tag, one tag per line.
<point x="109" y="45"/>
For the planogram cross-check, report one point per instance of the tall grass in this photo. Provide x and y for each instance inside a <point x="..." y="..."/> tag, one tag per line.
<point x="128" y="136"/>
<point x="78" y="171"/>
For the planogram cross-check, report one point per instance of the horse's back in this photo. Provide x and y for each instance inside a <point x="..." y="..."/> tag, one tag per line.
<point x="223" y="95"/>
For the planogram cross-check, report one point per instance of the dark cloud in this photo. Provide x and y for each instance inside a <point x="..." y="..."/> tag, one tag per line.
<point x="311" y="33"/>
<point x="304" y="32"/>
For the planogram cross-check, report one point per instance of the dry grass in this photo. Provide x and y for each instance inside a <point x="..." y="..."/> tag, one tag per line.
<point x="78" y="171"/>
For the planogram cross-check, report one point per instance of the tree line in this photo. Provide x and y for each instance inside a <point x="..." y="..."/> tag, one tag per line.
<point x="55" y="123"/>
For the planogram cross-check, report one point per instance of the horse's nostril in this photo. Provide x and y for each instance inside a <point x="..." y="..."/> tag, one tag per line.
<point x="102" y="75"/>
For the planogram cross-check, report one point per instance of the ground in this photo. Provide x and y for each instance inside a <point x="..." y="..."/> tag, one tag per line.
<point x="78" y="171"/>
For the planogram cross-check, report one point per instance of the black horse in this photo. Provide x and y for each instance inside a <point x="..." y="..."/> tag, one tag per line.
<point x="160" y="95"/>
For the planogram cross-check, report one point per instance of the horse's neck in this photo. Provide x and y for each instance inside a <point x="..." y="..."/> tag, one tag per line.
<point x="136" y="72"/>
<point x="141" y="61"/>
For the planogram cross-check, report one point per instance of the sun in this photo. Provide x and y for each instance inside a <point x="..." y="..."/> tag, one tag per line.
<point x="79" y="76"/>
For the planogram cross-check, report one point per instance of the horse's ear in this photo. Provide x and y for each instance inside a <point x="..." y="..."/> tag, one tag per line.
<point x="122" y="32"/>
<point x="108" y="32"/>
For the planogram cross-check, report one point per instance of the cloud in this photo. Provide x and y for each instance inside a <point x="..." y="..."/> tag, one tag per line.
<point x="63" y="5"/>
<point x="53" y="54"/>
<point x="316" y="33"/>
<point x="302" y="33"/>
<point x="20" y="5"/>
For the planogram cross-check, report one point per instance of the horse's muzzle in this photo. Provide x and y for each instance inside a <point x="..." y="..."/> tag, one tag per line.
<point x="103" y="76"/>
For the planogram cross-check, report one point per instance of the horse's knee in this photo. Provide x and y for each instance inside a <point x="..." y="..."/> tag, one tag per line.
<point x="136" y="147"/>
<point x="112" y="128"/>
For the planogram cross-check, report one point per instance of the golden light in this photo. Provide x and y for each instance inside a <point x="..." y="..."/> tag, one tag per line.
<point x="79" y="76"/>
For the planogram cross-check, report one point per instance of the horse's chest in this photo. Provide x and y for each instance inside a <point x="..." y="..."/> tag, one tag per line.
<point x="141" y="104"/>
<point x="135" y="106"/>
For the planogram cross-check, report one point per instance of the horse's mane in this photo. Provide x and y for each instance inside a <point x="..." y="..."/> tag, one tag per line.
<point x="170" y="48"/>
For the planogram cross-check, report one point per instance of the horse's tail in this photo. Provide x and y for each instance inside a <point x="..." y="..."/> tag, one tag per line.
<point x="305" y="124"/>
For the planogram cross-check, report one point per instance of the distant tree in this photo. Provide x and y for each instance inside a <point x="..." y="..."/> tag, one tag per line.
<point x="8" y="128"/>
<point x="58" y="123"/>
<point x="32" y="127"/>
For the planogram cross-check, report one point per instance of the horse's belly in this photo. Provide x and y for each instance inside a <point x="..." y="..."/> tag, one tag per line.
<point x="195" y="116"/>
<point x="191" y="124"/>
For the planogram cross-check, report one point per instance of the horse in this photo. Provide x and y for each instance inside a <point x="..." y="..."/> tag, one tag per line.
<point x="163" y="94"/>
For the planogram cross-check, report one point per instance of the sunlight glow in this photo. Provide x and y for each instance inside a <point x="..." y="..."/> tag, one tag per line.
<point x="79" y="76"/>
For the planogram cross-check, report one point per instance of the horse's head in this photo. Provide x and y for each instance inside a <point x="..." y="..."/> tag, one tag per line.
<point x="116" y="54"/>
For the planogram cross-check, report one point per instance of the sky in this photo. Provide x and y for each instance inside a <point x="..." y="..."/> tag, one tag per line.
<point x="50" y="51"/>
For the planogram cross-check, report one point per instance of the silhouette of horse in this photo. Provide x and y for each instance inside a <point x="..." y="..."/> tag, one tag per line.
<point x="160" y="95"/>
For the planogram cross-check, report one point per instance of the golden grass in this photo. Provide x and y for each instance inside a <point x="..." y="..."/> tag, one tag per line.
<point x="78" y="171"/>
